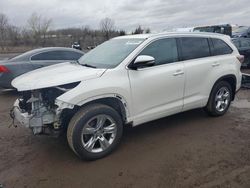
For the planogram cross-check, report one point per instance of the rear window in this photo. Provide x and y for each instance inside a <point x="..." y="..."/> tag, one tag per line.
<point x="220" y="47"/>
<point x="57" y="55"/>
<point x="194" y="47"/>
<point x="68" y="55"/>
<point x="51" y="55"/>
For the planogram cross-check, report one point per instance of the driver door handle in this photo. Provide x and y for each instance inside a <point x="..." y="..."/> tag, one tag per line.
<point x="178" y="72"/>
<point x="216" y="64"/>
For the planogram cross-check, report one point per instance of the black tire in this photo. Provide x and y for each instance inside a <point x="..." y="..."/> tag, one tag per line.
<point x="211" y="105"/>
<point x="79" y="121"/>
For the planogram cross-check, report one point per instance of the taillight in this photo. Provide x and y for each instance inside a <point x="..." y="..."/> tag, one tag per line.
<point x="3" y="69"/>
<point x="241" y="58"/>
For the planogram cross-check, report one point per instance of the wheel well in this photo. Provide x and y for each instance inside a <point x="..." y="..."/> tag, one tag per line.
<point x="113" y="102"/>
<point x="231" y="79"/>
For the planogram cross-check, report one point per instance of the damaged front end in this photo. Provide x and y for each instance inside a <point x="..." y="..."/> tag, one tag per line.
<point x="37" y="110"/>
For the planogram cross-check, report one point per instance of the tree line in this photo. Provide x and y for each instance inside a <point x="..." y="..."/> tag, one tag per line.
<point x="38" y="32"/>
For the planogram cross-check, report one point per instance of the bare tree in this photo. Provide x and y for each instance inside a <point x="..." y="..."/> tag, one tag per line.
<point x="122" y="33"/>
<point x="107" y="26"/>
<point x="26" y="36"/>
<point x="138" y="30"/>
<point x="3" y="29"/>
<point x="39" y="27"/>
<point x="13" y="35"/>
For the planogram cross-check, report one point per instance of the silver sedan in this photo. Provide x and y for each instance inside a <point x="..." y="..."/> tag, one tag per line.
<point x="34" y="59"/>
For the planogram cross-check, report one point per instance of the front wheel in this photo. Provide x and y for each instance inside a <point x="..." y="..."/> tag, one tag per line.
<point x="95" y="131"/>
<point x="220" y="99"/>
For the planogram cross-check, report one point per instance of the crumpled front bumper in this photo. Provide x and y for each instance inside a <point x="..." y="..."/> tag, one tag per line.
<point x="32" y="121"/>
<point x="22" y="117"/>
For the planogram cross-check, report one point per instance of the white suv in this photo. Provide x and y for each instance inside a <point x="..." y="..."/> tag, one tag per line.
<point x="128" y="80"/>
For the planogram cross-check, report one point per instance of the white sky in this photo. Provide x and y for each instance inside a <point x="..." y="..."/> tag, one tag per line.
<point x="128" y="14"/>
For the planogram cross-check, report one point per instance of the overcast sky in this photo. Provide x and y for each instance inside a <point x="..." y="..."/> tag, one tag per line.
<point x="159" y="15"/>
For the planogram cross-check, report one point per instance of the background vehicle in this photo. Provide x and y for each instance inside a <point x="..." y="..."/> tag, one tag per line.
<point x="243" y="45"/>
<point x="225" y="29"/>
<point x="129" y="79"/>
<point x="77" y="46"/>
<point x="242" y="31"/>
<point x="34" y="59"/>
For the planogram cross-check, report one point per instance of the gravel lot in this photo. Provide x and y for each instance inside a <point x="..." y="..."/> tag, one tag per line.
<point x="185" y="150"/>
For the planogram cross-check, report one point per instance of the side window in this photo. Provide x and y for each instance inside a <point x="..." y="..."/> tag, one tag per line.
<point x="236" y="43"/>
<point x="164" y="51"/>
<point x="245" y="43"/>
<point x="68" y="55"/>
<point x="194" y="47"/>
<point x="220" y="47"/>
<point x="52" y="55"/>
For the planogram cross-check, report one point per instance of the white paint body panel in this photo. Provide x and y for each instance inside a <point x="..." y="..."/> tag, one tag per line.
<point x="55" y="75"/>
<point x="156" y="91"/>
<point x="149" y="93"/>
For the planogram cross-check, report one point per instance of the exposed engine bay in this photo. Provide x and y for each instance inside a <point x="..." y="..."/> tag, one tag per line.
<point x="37" y="110"/>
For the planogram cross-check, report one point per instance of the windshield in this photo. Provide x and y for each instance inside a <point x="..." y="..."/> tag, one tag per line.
<point x="110" y="53"/>
<point x="240" y="30"/>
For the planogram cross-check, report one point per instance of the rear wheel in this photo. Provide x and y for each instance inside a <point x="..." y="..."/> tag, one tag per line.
<point x="95" y="131"/>
<point x="220" y="99"/>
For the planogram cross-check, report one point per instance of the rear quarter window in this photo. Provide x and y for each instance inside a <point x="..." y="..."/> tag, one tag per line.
<point x="220" y="47"/>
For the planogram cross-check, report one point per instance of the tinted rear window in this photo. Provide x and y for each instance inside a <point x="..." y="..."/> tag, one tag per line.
<point x="220" y="47"/>
<point x="67" y="55"/>
<point x="57" y="55"/>
<point x="193" y="48"/>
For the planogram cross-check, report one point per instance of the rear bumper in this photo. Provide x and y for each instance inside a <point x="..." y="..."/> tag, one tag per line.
<point x="5" y="81"/>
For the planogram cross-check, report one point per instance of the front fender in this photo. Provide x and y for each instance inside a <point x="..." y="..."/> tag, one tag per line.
<point x="113" y="84"/>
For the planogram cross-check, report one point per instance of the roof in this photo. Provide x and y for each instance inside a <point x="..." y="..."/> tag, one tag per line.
<point x="146" y="36"/>
<point x="53" y="48"/>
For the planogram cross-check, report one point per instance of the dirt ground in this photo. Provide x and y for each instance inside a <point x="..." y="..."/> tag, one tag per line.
<point x="185" y="150"/>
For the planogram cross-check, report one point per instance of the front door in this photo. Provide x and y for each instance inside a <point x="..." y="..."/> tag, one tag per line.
<point x="157" y="91"/>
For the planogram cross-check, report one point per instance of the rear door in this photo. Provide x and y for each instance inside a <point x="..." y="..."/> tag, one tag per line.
<point x="205" y="61"/>
<point x="195" y="54"/>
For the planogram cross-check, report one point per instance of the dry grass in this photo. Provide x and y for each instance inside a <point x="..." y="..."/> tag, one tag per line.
<point x="15" y="49"/>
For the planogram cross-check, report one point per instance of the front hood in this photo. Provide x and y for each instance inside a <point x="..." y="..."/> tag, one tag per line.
<point x="55" y="75"/>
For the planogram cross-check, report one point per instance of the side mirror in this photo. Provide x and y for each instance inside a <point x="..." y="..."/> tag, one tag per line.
<point x="143" y="61"/>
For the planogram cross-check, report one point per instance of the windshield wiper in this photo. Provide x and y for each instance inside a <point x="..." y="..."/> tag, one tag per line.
<point x="86" y="65"/>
